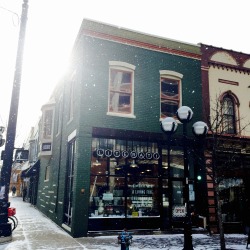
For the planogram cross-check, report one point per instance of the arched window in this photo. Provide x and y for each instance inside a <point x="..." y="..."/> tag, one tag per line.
<point x="121" y="89"/>
<point x="170" y="92"/>
<point x="229" y="119"/>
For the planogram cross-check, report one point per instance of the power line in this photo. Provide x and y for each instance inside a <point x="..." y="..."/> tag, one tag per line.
<point x="14" y="14"/>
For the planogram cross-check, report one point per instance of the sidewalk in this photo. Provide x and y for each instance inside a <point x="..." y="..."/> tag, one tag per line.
<point x="37" y="232"/>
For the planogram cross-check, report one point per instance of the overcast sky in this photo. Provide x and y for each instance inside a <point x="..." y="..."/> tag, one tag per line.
<point x="52" y="27"/>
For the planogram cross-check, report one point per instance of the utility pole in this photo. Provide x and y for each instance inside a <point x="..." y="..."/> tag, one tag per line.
<point x="5" y="226"/>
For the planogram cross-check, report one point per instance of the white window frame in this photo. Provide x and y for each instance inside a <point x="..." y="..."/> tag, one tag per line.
<point x="169" y="74"/>
<point x="117" y="65"/>
<point x="48" y="122"/>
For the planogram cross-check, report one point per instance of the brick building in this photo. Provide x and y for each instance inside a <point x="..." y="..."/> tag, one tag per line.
<point x="226" y="107"/>
<point x="104" y="159"/>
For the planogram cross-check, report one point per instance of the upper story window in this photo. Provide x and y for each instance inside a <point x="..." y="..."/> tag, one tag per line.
<point x="121" y="89"/>
<point x="46" y="127"/>
<point x="170" y="92"/>
<point x="228" y="109"/>
<point x="47" y="124"/>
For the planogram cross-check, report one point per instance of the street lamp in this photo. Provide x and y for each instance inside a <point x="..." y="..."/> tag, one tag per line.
<point x="184" y="115"/>
<point x="169" y="126"/>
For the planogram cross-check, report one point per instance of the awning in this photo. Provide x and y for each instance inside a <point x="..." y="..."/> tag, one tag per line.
<point x="31" y="171"/>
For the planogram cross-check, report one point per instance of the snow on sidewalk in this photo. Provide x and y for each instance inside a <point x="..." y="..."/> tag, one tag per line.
<point x="36" y="232"/>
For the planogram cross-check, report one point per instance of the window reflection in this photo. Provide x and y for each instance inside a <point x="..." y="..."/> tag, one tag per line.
<point x="232" y="199"/>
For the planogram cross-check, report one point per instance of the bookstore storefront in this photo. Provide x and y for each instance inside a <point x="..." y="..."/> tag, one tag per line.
<point x="134" y="185"/>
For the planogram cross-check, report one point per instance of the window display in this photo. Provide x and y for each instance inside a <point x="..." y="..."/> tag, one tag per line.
<point x="125" y="179"/>
<point x="142" y="199"/>
<point x="106" y="197"/>
<point x="111" y="198"/>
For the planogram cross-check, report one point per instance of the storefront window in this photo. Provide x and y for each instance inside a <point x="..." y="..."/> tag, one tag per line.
<point x="176" y="163"/>
<point x="142" y="197"/>
<point x="232" y="198"/>
<point x="107" y="197"/>
<point x="124" y="179"/>
<point x="178" y="209"/>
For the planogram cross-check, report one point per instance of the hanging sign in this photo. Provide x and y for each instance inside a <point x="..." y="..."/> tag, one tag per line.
<point x="21" y="155"/>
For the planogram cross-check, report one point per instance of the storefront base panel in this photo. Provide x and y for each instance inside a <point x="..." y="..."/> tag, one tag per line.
<point x="105" y="224"/>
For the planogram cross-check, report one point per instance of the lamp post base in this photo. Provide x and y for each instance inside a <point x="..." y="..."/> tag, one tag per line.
<point x="5" y="232"/>
<point x="188" y="243"/>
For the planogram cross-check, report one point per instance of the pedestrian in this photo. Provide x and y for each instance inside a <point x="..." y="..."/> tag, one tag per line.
<point x="13" y="189"/>
<point x="125" y="239"/>
<point x="24" y="193"/>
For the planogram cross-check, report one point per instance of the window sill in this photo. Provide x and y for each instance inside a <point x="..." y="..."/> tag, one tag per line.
<point x="121" y="115"/>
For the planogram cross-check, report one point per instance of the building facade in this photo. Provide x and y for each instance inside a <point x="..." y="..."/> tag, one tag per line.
<point x="104" y="161"/>
<point x="226" y="107"/>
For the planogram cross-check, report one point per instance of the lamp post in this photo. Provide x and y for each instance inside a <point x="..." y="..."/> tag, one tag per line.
<point x="184" y="115"/>
<point x="5" y="226"/>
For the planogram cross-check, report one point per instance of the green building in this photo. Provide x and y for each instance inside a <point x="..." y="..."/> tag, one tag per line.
<point x="104" y="161"/>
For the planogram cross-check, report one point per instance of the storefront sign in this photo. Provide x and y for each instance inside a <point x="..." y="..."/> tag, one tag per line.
<point x="46" y="146"/>
<point x="179" y="211"/>
<point x="125" y="154"/>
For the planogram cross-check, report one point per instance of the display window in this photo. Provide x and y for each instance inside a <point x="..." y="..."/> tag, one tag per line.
<point x="232" y="197"/>
<point x="124" y="179"/>
<point x="175" y="162"/>
<point x="110" y="197"/>
<point x="142" y="198"/>
<point x="107" y="198"/>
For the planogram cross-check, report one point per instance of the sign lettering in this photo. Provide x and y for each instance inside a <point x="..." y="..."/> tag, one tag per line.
<point x="125" y="154"/>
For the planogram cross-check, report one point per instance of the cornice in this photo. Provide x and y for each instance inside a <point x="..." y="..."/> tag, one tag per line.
<point x="140" y="44"/>
<point x="229" y="67"/>
<point x="137" y="39"/>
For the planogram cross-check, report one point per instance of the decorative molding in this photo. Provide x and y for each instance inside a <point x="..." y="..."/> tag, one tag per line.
<point x="229" y="82"/>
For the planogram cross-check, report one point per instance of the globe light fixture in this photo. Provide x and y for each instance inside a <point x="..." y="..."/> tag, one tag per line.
<point x="169" y="125"/>
<point x="184" y="114"/>
<point x="200" y="129"/>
